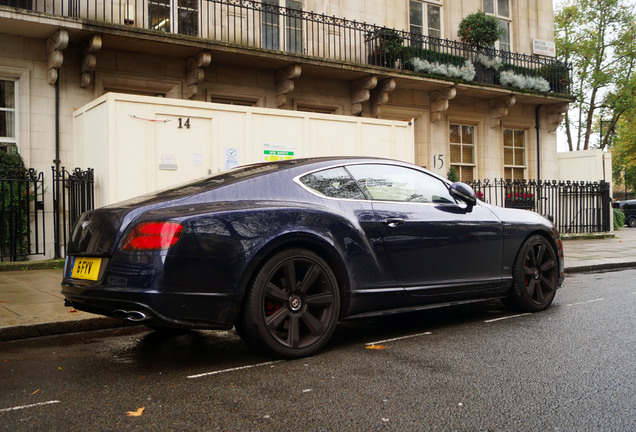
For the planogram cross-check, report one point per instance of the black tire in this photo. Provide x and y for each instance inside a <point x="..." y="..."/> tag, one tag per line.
<point x="535" y="276"/>
<point x="631" y="222"/>
<point x="291" y="308"/>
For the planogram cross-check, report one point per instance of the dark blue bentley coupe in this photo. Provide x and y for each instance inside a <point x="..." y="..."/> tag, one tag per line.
<point x="283" y="251"/>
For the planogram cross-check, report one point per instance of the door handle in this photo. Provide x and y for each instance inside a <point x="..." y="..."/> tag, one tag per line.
<point x="393" y="222"/>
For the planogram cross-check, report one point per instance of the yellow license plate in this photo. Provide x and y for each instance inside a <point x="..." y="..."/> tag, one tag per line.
<point x="86" y="268"/>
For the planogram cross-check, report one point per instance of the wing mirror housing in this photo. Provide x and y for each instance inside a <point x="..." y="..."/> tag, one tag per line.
<point x="464" y="193"/>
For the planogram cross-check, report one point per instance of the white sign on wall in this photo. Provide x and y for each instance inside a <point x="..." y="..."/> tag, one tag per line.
<point x="545" y="48"/>
<point x="231" y="157"/>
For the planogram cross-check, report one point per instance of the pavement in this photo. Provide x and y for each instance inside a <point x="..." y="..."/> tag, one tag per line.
<point x="31" y="303"/>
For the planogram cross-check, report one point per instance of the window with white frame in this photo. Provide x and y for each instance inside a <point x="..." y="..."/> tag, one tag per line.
<point x="425" y="18"/>
<point x="291" y="38"/>
<point x="174" y="16"/>
<point x="514" y="145"/>
<point x="501" y="9"/>
<point x="462" y="151"/>
<point x="8" y="115"/>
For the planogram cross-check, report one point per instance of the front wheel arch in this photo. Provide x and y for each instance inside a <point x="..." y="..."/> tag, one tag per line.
<point x="535" y="275"/>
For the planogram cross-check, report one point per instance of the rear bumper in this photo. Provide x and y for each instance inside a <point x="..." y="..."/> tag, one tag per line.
<point x="178" y="310"/>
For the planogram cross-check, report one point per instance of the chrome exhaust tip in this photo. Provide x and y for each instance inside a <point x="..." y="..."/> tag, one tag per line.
<point x="133" y="316"/>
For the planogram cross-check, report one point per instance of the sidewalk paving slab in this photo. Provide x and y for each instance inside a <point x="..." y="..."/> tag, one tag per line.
<point x="32" y="305"/>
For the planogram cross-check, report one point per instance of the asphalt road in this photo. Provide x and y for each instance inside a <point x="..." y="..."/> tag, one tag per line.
<point x="477" y="368"/>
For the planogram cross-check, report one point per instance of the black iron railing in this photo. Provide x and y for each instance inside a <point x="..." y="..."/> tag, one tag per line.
<point x="21" y="214"/>
<point x="259" y="25"/>
<point x="575" y="207"/>
<point x="73" y="194"/>
<point x="22" y="209"/>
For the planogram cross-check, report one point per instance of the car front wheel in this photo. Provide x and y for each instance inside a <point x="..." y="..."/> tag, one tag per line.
<point x="631" y="222"/>
<point x="292" y="305"/>
<point x="535" y="275"/>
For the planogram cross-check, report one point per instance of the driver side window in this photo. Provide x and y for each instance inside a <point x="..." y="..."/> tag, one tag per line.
<point x="393" y="183"/>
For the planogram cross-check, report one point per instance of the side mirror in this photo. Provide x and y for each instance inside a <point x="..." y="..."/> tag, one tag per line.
<point x="462" y="192"/>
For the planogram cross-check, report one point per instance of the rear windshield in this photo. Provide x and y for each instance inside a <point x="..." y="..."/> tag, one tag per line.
<point x="207" y="183"/>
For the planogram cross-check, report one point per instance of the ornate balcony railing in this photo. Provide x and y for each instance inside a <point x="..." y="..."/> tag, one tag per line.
<point x="282" y="29"/>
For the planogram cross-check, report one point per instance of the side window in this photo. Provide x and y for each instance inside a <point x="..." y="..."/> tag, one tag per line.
<point x="7" y="115"/>
<point x="393" y="183"/>
<point x="333" y="183"/>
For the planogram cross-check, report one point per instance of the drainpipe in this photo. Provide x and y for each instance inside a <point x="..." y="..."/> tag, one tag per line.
<point x="56" y="161"/>
<point x="536" y="125"/>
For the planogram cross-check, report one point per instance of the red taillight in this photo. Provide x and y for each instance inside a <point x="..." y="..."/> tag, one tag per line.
<point x="153" y="236"/>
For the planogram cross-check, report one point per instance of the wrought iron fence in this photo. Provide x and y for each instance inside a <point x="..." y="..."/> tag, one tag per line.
<point x="287" y="29"/>
<point x="22" y="227"/>
<point x="575" y="207"/>
<point x="73" y="194"/>
<point x="22" y="209"/>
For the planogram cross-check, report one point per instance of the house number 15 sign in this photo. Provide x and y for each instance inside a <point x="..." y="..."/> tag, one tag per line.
<point x="438" y="161"/>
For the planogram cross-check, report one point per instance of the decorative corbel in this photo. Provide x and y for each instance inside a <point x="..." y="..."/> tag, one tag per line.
<point x="499" y="109"/>
<point x="361" y="92"/>
<point x="555" y="115"/>
<point x="285" y="82"/>
<point x="195" y="69"/>
<point x="440" y="102"/>
<point x="55" y="44"/>
<point x="92" y="45"/>
<point x="380" y="95"/>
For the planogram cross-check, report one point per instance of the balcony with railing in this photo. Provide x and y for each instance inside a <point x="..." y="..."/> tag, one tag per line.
<point x="262" y="26"/>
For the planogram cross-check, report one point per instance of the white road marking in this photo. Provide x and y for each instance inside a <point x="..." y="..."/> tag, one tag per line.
<point x="29" y="406"/>
<point x="507" y="317"/>
<point x="586" y="302"/>
<point x="234" y="369"/>
<point x="397" y="338"/>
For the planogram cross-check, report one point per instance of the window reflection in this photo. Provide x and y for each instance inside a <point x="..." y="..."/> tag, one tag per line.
<point x="333" y="183"/>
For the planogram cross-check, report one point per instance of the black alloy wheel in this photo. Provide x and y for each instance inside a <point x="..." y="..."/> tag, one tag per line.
<point x="631" y="222"/>
<point x="535" y="275"/>
<point x="292" y="306"/>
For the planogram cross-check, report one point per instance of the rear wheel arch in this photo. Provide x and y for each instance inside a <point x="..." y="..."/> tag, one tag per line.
<point x="291" y="305"/>
<point x="311" y="242"/>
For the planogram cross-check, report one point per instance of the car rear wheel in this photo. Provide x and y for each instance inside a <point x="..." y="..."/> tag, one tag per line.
<point x="535" y="276"/>
<point x="292" y="305"/>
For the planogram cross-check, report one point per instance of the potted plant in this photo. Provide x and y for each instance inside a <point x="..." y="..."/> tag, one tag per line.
<point x="387" y="46"/>
<point x="479" y="30"/>
<point x="520" y="200"/>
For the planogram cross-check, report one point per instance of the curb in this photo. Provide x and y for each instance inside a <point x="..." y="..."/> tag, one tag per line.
<point x="600" y="267"/>
<point x="59" y="328"/>
<point x="32" y="265"/>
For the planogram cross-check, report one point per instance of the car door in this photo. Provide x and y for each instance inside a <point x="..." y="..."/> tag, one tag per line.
<point x="434" y="244"/>
<point x="368" y="264"/>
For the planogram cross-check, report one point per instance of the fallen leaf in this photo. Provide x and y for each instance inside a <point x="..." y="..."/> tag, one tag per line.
<point x="137" y="413"/>
<point x="73" y="310"/>
<point x="59" y="368"/>
<point x="35" y="392"/>
<point x="376" y="347"/>
<point x="3" y="301"/>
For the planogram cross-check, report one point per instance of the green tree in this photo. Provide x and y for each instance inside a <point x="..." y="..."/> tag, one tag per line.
<point x="598" y="38"/>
